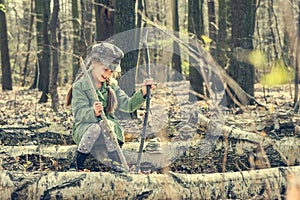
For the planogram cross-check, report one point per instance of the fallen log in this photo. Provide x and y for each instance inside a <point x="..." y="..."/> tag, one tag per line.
<point x="266" y="183"/>
<point x="232" y="143"/>
<point x="218" y="129"/>
<point x="170" y="151"/>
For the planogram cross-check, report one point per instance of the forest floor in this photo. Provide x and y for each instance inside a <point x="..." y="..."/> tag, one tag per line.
<point x="24" y="122"/>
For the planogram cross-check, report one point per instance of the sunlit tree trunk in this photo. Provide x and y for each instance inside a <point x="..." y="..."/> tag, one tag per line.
<point x="5" y="59"/>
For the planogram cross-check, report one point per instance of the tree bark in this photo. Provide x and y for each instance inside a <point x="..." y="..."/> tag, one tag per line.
<point x="5" y="58"/>
<point x="30" y="28"/>
<point x="267" y="183"/>
<point x="222" y="40"/>
<point x="297" y="65"/>
<point x="55" y="57"/>
<point x="88" y="21"/>
<point x="79" y="47"/>
<point x="124" y="20"/>
<point x="242" y="20"/>
<point x="212" y="22"/>
<point x="41" y="79"/>
<point x="176" y="59"/>
<point x="195" y="26"/>
<point x="45" y="57"/>
<point x="104" y="19"/>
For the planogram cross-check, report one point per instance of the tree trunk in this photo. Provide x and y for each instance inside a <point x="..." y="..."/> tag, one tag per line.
<point x="266" y="184"/>
<point x="212" y="25"/>
<point x="45" y="54"/>
<point x="79" y="47"/>
<point x="297" y="65"/>
<point x="222" y="40"/>
<point x="195" y="26"/>
<point x="242" y="20"/>
<point x="125" y="20"/>
<point x="30" y="28"/>
<point x="86" y="21"/>
<point x="55" y="60"/>
<point x="104" y="19"/>
<point x="272" y="25"/>
<point x="176" y="58"/>
<point x="5" y="58"/>
<point x="41" y="63"/>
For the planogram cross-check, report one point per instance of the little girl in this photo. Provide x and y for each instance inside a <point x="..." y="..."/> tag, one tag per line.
<point x="88" y="128"/>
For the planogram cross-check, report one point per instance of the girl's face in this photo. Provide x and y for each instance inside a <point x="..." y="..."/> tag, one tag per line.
<point x="101" y="72"/>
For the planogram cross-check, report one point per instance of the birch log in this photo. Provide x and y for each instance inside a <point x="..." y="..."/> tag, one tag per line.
<point x="288" y="148"/>
<point x="267" y="183"/>
<point x="239" y="143"/>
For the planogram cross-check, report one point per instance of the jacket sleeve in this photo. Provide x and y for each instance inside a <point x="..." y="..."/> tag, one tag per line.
<point x="129" y="104"/>
<point x="82" y="109"/>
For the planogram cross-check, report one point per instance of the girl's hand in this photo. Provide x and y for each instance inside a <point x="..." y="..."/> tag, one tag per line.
<point x="98" y="108"/>
<point x="145" y="83"/>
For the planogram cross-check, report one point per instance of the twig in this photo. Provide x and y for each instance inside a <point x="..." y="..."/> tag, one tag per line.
<point x="104" y="6"/>
<point x="225" y="152"/>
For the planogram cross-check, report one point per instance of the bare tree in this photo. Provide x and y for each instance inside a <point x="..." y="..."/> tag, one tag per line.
<point x="212" y="21"/>
<point x="79" y="46"/>
<point x="296" y="97"/>
<point x="242" y="22"/>
<point x="222" y="43"/>
<point x="5" y="59"/>
<point x="29" y="41"/>
<point x="55" y="61"/>
<point x="45" y="54"/>
<point x="41" y="80"/>
<point x="125" y="20"/>
<point x="86" y="20"/>
<point x="195" y="26"/>
<point x="176" y="59"/>
<point x="104" y="19"/>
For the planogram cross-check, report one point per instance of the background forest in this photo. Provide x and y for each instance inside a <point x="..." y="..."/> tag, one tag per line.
<point x="252" y="46"/>
<point x="41" y="41"/>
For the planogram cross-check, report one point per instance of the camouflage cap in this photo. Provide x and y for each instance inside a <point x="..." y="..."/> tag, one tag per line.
<point x="108" y="54"/>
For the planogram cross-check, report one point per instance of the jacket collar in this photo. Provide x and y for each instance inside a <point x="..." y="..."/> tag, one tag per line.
<point x="86" y="86"/>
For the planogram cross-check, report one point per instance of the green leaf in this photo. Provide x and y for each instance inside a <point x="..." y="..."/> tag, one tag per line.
<point x="278" y="75"/>
<point x="206" y="39"/>
<point x="2" y="8"/>
<point x="207" y="42"/>
<point x="257" y="58"/>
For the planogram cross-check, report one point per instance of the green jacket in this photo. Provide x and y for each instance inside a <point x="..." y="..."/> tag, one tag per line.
<point x="83" y="112"/>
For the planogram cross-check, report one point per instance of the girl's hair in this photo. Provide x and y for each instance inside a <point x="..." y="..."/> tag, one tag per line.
<point x="112" y="101"/>
<point x="69" y="97"/>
